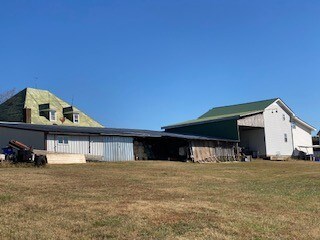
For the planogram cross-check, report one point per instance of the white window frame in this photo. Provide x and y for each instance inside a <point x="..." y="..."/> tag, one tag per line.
<point x="76" y="118"/>
<point x="63" y="140"/>
<point x="52" y="115"/>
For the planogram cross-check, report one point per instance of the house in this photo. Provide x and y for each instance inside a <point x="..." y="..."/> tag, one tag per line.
<point x="111" y="144"/>
<point x="37" y="106"/>
<point x="267" y="128"/>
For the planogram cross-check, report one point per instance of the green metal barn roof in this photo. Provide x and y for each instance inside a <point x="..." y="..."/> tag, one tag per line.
<point x="227" y="112"/>
<point x="12" y="109"/>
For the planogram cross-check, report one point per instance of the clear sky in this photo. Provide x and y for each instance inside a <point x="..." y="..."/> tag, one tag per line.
<point x="146" y="64"/>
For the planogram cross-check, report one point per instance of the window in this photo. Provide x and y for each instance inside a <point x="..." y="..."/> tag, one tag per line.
<point x="285" y="137"/>
<point x="283" y="117"/>
<point x="63" y="140"/>
<point x="76" y="118"/>
<point x="52" y="115"/>
<point x="293" y="124"/>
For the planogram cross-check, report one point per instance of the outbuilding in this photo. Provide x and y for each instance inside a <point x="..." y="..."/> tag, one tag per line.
<point x="112" y="144"/>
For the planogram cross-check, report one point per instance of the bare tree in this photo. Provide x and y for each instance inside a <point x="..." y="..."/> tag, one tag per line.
<point x="4" y="96"/>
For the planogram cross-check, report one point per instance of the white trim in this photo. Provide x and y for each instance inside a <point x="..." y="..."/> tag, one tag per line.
<point x="295" y="118"/>
<point x="52" y="115"/>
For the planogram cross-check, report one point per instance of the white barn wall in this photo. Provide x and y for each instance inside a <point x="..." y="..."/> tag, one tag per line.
<point x="275" y="128"/>
<point x="29" y="138"/>
<point x="302" y="137"/>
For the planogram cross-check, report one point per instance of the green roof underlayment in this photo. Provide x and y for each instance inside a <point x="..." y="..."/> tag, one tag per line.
<point x="12" y="109"/>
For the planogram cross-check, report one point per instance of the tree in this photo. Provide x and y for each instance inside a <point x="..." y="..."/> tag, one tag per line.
<point x="6" y="95"/>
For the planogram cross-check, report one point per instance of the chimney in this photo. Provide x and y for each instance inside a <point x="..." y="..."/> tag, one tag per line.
<point x="27" y="115"/>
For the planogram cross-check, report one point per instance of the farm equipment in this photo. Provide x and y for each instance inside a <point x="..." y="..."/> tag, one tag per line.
<point x="18" y="152"/>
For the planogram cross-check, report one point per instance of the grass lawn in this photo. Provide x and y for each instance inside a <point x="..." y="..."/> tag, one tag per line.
<point x="161" y="200"/>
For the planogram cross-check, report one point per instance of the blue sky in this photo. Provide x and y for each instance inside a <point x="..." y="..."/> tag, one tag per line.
<point x="146" y="64"/>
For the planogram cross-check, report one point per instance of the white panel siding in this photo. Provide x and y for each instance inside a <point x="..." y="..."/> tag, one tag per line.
<point x="302" y="137"/>
<point x="275" y="130"/>
<point x="110" y="148"/>
<point x="97" y="146"/>
<point x="118" y="149"/>
<point x="76" y="144"/>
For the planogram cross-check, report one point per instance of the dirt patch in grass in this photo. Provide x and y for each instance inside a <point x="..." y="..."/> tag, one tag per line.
<point x="161" y="200"/>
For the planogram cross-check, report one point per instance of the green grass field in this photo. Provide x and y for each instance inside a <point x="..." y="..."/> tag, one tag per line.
<point x="161" y="200"/>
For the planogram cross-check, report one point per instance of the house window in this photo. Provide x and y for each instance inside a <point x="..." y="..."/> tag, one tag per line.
<point x="285" y="137"/>
<point x="76" y="118"/>
<point x="63" y="140"/>
<point x="283" y="117"/>
<point x="52" y="115"/>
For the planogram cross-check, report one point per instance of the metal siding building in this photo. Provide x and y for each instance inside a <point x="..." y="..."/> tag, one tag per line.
<point x="111" y="148"/>
<point x="112" y="144"/>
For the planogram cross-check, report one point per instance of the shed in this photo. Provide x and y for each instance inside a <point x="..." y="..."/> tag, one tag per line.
<point x="114" y="144"/>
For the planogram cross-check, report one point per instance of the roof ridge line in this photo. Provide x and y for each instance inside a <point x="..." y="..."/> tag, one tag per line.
<point x="239" y="104"/>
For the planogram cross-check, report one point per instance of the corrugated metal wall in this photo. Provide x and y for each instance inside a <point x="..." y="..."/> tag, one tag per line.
<point x="110" y="148"/>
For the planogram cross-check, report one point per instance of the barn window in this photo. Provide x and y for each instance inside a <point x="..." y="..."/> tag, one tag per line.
<point x="293" y="124"/>
<point x="285" y="137"/>
<point x="283" y="117"/>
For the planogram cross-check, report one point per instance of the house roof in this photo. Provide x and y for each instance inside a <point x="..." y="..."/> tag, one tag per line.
<point x="12" y="109"/>
<point x="71" y="130"/>
<point x="228" y="112"/>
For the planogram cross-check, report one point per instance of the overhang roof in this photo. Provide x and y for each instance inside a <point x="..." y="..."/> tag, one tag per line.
<point x="70" y="130"/>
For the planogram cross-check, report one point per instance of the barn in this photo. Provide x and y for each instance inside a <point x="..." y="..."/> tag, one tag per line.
<point x="113" y="144"/>
<point x="267" y="128"/>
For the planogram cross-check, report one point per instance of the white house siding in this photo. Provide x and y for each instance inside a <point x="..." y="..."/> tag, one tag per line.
<point x="29" y="138"/>
<point x="253" y="139"/>
<point x="302" y="137"/>
<point x="275" y="129"/>
<point x="110" y="148"/>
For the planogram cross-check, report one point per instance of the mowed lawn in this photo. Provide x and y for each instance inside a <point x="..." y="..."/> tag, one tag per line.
<point x="161" y="200"/>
